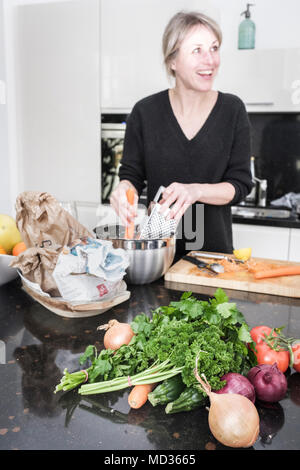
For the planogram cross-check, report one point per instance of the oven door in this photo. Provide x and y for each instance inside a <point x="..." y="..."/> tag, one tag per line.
<point x="112" y="141"/>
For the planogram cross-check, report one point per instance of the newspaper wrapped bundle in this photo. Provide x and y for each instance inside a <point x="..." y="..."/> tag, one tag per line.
<point x="62" y="274"/>
<point x="90" y="270"/>
<point x="45" y="228"/>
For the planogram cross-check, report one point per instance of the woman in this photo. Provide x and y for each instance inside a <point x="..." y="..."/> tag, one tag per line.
<point x="191" y="139"/>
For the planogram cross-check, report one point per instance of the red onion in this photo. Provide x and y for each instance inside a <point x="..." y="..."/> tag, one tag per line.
<point x="269" y="382"/>
<point x="237" y="383"/>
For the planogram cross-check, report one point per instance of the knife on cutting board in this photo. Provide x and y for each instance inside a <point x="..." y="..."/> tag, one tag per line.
<point x="214" y="267"/>
<point x="215" y="256"/>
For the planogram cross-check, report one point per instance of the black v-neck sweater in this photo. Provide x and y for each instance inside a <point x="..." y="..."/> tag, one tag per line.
<point x="157" y="152"/>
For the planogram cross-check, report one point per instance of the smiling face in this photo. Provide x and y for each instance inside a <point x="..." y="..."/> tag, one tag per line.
<point x="197" y="60"/>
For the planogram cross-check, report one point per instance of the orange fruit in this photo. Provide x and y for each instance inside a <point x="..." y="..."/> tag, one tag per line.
<point x="19" y="248"/>
<point x="2" y="251"/>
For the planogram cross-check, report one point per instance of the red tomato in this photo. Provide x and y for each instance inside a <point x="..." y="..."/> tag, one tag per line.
<point x="296" y="351"/>
<point x="257" y="333"/>
<point x="266" y="355"/>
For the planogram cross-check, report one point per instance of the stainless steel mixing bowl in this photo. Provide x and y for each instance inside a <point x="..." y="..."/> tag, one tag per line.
<point x="149" y="259"/>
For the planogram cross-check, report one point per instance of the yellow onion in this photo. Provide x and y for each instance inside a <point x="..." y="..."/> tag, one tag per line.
<point x="117" y="334"/>
<point x="233" y="419"/>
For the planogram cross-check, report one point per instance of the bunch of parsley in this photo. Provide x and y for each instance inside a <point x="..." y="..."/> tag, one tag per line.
<point x="214" y="330"/>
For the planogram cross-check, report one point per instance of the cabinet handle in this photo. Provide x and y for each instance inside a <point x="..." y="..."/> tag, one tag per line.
<point x="267" y="103"/>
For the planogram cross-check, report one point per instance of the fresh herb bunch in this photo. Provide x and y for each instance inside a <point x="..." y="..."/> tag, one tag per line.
<point x="214" y="330"/>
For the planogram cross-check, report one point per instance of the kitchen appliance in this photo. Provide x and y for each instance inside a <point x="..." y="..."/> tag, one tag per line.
<point x="113" y="127"/>
<point x="112" y="141"/>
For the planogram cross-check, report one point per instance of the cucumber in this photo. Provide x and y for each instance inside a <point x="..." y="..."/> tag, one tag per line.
<point x="188" y="400"/>
<point x="167" y="391"/>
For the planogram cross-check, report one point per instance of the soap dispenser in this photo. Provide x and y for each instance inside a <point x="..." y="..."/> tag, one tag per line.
<point x="247" y="30"/>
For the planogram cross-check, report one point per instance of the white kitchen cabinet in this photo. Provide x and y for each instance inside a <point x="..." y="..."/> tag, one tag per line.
<point x="131" y="48"/>
<point x="294" y="251"/>
<point x="267" y="80"/>
<point x="288" y="99"/>
<point x="265" y="241"/>
<point x="57" y="97"/>
<point x="249" y="74"/>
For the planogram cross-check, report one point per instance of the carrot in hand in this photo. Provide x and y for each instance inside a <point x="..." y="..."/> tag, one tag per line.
<point x="139" y="395"/>
<point x="129" y="231"/>
<point x="280" y="271"/>
<point x="130" y="196"/>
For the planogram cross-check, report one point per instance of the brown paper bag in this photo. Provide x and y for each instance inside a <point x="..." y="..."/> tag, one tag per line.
<point x="36" y="265"/>
<point x="44" y="223"/>
<point x="45" y="228"/>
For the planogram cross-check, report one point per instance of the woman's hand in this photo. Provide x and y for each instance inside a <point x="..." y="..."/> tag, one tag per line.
<point x="118" y="200"/>
<point x="184" y="195"/>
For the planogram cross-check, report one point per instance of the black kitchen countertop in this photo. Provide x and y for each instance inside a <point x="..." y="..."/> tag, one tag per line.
<point x="39" y="345"/>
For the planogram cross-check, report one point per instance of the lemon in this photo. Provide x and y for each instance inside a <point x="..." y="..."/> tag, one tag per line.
<point x="9" y="233"/>
<point x="243" y="253"/>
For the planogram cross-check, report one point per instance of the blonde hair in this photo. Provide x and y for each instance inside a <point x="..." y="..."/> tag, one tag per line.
<point x="177" y="29"/>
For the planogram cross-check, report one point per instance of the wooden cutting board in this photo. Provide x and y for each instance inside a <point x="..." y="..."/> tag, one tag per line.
<point x="288" y="286"/>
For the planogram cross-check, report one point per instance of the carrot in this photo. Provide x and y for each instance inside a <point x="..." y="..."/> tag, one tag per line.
<point x="231" y="266"/>
<point x="130" y="196"/>
<point x="257" y="266"/>
<point x="280" y="271"/>
<point x="129" y="231"/>
<point x="139" y="395"/>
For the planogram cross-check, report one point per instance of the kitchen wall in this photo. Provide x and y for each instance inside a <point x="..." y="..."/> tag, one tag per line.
<point x="276" y="34"/>
<point x="5" y="195"/>
<point x="131" y="56"/>
<point x="53" y="53"/>
<point x="275" y="136"/>
<point x="276" y="23"/>
<point x="276" y="147"/>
